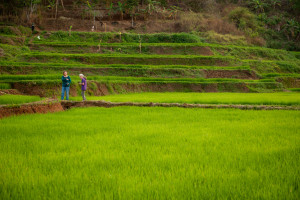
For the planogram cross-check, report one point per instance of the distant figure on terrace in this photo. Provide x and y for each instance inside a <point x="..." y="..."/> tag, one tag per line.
<point x="66" y="82"/>
<point x="83" y="86"/>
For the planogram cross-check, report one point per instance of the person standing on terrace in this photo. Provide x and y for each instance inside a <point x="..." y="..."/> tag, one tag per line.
<point x="66" y="82"/>
<point x="83" y="86"/>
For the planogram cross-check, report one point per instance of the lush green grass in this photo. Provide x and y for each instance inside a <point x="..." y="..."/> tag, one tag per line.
<point x="151" y="153"/>
<point x="271" y="75"/>
<point x="205" y="98"/>
<point x="93" y="37"/>
<point x="242" y="52"/>
<point x="10" y="52"/>
<point x="17" y="99"/>
<point x="5" y="86"/>
<point x="261" y="66"/>
<point x="294" y="89"/>
<point x="135" y="71"/>
<point x="82" y="66"/>
<point x="144" y="59"/>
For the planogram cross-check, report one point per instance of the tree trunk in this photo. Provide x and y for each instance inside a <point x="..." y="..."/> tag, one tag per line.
<point x="57" y="1"/>
<point x="62" y="3"/>
<point x="132" y="21"/>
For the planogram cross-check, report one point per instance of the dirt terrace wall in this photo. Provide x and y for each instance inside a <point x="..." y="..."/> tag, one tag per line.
<point x="101" y="89"/>
<point x="30" y="108"/>
<point x="75" y="104"/>
<point x="136" y="72"/>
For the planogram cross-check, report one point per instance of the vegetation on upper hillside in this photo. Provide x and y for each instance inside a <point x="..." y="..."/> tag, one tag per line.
<point x="271" y="23"/>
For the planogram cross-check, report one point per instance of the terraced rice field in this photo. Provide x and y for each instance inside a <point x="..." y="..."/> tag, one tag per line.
<point x="205" y="98"/>
<point x="108" y="58"/>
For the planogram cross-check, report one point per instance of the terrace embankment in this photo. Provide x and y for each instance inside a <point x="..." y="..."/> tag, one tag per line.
<point x="74" y="104"/>
<point x="99" y="89"/>
<point x="135" y="72"/>
<point x="55" y="106"/>
<point x="30" y="108"/>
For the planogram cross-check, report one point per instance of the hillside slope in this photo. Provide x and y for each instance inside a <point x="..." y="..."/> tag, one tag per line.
<point x="121" y="63"/>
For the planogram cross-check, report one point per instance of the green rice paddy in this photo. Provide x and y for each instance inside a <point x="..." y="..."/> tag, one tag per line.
<point x="18" y="99"/>
<point x="204" y="98"/>
<point x="151" y="153"/>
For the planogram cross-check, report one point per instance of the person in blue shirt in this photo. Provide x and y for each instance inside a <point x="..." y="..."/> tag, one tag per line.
<point x="66" y="82"/>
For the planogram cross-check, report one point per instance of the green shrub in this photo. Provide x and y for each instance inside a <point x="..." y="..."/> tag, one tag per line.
<point x="6" y="31"/>
<point x="244" y="20"/>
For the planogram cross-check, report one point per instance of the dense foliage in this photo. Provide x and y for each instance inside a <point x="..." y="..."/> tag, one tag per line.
<point x="277" y="21"/>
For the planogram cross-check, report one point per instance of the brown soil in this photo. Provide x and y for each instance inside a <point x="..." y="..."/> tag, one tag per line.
<point x="290" y="82"/>
<point x="42" y="90"/>
<point x="205" y="51"/>
<point x="30" y="108"/>
<point x="10" y="91"/>
<point x="100" y="89"/>
<point x="239" y="74"/>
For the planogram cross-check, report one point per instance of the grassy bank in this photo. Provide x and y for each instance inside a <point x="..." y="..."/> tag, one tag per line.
<point x="150" y="153"/>
<point x="8" y="78"/>
<point x="205" y="98"/>
<point x="242" y="52"/>
<point x="143" y="59"/>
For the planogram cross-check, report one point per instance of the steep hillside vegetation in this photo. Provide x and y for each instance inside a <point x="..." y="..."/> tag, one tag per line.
<point x="268" y="23"/>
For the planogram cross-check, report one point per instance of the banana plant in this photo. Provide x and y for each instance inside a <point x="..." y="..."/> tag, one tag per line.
<point x="259" y="5"/>
<point x="152" y="7"/>
<point x="110" y="10"/>
<point x="91" y="8"/>
<point x="292" y="28"/>
<point x="173" y="10"/>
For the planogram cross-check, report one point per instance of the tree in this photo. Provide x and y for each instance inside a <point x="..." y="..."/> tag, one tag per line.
<point x="30" y="7"/>
<point x="131" y="6"/>
<point x="258" y="5"/>
<point x="51" y="5"/>
<point x="110" y="10"/>
<point x="121" y="9"/>
<point x="292" y="28"/>
<point x="91" y="7"/>
<point x="275" y="3"/>
<point x="152" y="7"/>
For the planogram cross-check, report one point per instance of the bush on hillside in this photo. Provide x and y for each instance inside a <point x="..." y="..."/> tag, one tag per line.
<point x="244" y="20"/>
